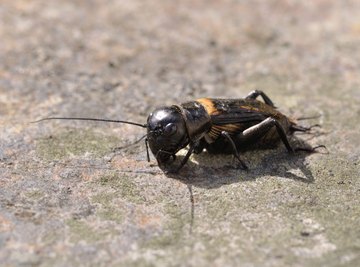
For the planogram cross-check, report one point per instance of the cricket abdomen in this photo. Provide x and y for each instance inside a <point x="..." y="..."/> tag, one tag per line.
<point x="237" y="117"/>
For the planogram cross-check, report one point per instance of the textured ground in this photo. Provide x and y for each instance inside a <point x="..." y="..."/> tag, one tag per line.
<point x="63" y="204"/>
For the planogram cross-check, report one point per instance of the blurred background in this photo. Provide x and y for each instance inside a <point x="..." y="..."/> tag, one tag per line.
<point x="63" y="204"/>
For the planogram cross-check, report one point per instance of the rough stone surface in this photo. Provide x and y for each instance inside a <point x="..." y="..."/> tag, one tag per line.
<point x="62" y="203"/>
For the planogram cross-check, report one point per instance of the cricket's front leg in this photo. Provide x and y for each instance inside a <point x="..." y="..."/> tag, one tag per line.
<point x="183" y="161"/>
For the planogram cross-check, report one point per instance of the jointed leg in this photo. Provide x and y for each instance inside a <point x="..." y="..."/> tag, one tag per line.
<point x="311" y="149"/>
<point x="199" y="146"/>
<point x="298" y="128"/>
<point x="184" y="160"/>
<point x="235" y="151"/>
<point x="259" y="130"/>
<point x="147" y="149"/>
<point x="254" y="94"/>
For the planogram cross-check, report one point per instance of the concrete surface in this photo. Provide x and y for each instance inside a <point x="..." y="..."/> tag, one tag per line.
<point x="63" y="204"/>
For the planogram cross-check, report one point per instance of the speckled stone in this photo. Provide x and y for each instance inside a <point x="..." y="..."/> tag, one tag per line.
<point x="64" y="202"/>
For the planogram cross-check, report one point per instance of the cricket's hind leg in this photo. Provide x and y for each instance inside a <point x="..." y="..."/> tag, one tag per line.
<point x="252" y="135"/>
<point x="312" y="149"/>
<point x="256" y="132"/>
<point x="254" y="94"/>
<point x="227" y="136"/>
<point x="298" y="128"/>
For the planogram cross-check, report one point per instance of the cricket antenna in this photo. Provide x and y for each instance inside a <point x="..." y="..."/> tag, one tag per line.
<point x="91" y="119"/>
<point x="308" y="118"/>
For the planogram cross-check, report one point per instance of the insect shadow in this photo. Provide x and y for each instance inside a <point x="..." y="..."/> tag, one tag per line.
<point x="206" y="171"/>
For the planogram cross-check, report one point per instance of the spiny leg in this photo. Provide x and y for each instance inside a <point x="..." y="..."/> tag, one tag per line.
<point x="312" y="149"/>
<point x="184" y="160"/>
<point x="259" y="130"/>
<point x="235" y="151"/>
<point x="172" y="155"/>
<point x="306" y="130"/>
<point x="299" y="128"/>
<point x="147" y="149"/>
<point x="254" y="94"/>
<point x="199" y="146"/>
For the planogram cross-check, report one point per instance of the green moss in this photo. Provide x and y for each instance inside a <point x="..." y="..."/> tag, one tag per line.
<point x="34" y="194"/>
<point x="219" y="207"/>
<point x="136" y="263"/>
<point x="128" y="190"/>
<point x="174" y="231"/>
<point x="123" y="186"/>
<point x="75" y="142"/>
<point x="104" y="198"/>
<point x="108" y="211"/>
<point x="51" y="237"/>
<point x="80" y="230"/>
<point x="111" y="214"/>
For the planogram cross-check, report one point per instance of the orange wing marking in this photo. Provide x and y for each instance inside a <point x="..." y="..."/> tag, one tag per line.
<point x="208" y="105"/>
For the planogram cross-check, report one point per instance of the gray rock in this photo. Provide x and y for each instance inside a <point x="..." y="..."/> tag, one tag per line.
<point x="63" y="203"/>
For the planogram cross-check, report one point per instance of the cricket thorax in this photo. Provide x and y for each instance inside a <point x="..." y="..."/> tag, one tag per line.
<point x="198" y="121"/>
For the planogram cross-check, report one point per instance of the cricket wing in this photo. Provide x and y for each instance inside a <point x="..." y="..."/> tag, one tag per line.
<point x="233" y="115"/>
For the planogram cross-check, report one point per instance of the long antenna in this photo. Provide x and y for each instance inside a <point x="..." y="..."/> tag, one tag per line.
<point x="308" y="118"/>
<point x="92" y="119"/>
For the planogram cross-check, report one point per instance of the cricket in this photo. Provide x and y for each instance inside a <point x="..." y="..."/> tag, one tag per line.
<point x="219" y="126"/>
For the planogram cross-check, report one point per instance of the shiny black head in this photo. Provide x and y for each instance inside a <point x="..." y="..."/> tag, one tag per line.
<point x="167" y="133"/>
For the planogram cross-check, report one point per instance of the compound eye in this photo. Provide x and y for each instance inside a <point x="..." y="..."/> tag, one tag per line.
<point x="170" y="129"/>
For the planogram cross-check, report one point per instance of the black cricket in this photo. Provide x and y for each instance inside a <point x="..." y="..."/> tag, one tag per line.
<point x="221" y="126"/>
